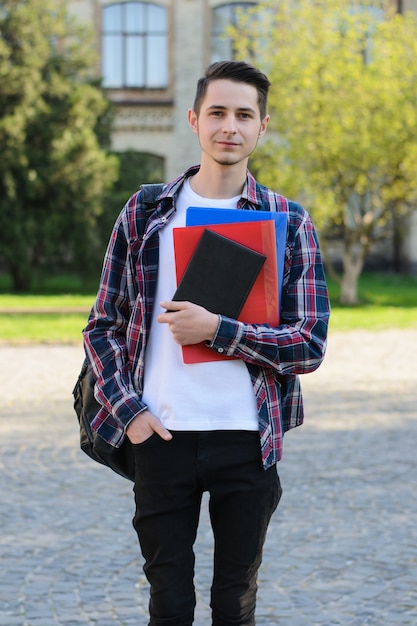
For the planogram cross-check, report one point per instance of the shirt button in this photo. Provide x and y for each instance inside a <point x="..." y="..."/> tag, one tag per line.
<point x="163" y="220"/>
<point x="220" y="349"/>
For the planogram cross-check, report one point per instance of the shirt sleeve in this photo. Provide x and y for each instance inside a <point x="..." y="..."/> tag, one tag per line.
<point x="105" y="337"/>
<point x="298" y="344"/>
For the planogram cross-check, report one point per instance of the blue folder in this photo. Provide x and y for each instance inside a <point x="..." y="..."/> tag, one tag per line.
<point x="202" y="216"/>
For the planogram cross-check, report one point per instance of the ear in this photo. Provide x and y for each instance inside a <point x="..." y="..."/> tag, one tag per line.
<point x="264" y="125"/>
<point x="193" y="120"/>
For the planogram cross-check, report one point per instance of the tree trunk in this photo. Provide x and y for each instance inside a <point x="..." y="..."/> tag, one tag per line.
<point x="353" y="261"/>
<point x="21" y="281"/>
<point x="328" y="264"/>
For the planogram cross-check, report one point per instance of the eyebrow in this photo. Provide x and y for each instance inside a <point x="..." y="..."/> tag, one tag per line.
<point x="223" y="108"/>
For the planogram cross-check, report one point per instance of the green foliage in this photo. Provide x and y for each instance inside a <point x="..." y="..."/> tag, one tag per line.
<point x="53" y="172"/>
<point x="135" y="169"/>
<point x="343" y="107"/>
<point x="49" y="284"/>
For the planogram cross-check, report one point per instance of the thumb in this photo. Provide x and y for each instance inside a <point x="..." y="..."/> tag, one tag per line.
<point x="160" y="429"/>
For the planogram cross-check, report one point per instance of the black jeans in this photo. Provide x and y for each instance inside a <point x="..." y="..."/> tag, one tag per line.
<point x="170" y="480"/>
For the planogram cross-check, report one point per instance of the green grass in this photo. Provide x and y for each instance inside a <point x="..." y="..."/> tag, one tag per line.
<point x="41" y="328"/>
<point x="56" y="312"/>
<point x="386" y="302"/>
<point x="383" y="290"/>
<point x="372" y="318"/>
<point x="54" y="301"/>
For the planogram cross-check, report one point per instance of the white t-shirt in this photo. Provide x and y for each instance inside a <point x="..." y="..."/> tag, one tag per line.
<point x="200" y="396"/>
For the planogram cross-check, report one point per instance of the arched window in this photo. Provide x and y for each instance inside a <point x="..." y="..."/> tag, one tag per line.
<point x="134" y="46"/>
<point x="224" y="16"/>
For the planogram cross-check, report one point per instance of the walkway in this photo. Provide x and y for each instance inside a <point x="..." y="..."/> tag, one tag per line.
<point x="341" y="550"/>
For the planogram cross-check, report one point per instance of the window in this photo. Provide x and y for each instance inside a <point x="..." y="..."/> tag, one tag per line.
<point x="134" y="46"/>
<point x="224" y="16"/>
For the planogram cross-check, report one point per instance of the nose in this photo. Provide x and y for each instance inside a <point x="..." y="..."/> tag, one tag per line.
<point x="229" y="127"/>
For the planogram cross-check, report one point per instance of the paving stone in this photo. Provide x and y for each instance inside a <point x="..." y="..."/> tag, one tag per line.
<point x="341" y="549"/>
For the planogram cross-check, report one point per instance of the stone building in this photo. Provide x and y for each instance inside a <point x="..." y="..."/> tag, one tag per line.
<point x="151" y="54"/>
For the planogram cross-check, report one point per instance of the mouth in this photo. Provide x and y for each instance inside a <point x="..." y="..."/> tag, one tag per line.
<point x="229" y="144"/>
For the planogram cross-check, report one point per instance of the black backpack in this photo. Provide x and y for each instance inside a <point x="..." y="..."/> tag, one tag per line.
<point x="120" y="460"/>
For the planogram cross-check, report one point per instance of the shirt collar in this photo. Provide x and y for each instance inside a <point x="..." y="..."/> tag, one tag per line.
<point x="250" y="194"/>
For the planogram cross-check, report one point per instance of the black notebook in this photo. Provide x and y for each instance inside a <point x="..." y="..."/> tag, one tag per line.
<point x="220" y="274"/>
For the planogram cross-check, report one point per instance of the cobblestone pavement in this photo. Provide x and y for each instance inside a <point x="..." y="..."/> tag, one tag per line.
<point x="341" y="549"/>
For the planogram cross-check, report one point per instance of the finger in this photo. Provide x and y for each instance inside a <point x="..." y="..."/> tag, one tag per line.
<point x="164" y="318"/>
<point x="162" y="431"/>
<point x="172" y="305"/>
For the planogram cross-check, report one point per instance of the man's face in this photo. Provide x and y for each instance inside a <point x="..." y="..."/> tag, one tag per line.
<point x="229" y="122"/>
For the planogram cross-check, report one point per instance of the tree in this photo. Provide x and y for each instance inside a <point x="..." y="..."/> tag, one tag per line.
<point x="343" y="107"/>
<point x="53" y="172"/>
<point x="135" y="168"/>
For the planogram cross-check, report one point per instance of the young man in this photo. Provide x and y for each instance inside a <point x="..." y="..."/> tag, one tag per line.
<point x="218" y="426"/>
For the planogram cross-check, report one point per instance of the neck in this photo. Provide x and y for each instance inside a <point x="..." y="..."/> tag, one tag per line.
<point x="223" y="182"/>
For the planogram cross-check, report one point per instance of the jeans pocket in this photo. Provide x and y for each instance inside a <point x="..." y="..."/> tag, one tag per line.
<point x="146" y="442"/>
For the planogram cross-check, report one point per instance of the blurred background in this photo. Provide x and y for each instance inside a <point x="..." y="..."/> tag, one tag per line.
<point x="93" y="102"/>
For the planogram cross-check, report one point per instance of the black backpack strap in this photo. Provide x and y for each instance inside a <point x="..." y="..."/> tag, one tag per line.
<point x="150" y="195"/>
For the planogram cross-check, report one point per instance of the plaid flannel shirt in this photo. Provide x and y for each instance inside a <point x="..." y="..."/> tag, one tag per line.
<point x="117" y="332"/>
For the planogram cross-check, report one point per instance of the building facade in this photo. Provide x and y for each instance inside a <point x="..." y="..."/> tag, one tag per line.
<point x="151" y="54"/>
<point x="170" y="42"/>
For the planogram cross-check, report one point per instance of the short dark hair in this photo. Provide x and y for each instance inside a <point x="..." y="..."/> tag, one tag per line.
<point x="238" y="71"/>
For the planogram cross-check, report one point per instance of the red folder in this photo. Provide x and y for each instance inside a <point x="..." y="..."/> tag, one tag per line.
<point x="261" y="306"/>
